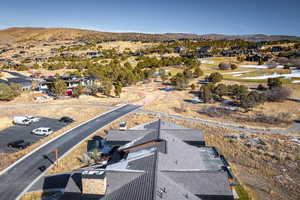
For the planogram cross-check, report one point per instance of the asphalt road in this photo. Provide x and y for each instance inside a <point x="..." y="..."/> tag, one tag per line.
<point x="14" y="181"/>
<point x="19" y="132"/>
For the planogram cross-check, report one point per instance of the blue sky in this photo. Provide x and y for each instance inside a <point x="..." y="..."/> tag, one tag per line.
<point x="157" y="16"/>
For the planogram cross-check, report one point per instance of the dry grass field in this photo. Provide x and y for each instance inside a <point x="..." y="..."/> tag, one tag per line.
<point x="173" y="102"/>
<point x="122" y="45"/>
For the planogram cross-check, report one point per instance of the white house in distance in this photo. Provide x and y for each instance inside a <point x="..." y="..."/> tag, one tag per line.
<point x="71" y="82"/>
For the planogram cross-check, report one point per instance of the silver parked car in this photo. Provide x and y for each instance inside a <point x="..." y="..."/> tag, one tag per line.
<point x="44" y="131"/>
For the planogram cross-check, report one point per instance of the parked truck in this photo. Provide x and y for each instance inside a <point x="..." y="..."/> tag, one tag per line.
<point x="21" y="121"/>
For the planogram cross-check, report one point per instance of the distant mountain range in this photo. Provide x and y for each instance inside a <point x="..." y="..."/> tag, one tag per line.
<point x="27" y="34"/>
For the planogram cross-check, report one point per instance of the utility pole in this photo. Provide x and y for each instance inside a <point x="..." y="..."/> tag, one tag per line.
<point x="55" y="151"/>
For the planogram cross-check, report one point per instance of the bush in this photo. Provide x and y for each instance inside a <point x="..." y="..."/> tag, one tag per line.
<point x="181" y="109"/>
<point x="21" y="68"/>
<point x="179" y="81"/>
<point x="198" y="72"/>
<point x="233" y="66"/>
<point x="274" y="82"/>
<point x="106" y="87"/>
<point x="214" y="111"/>
<point x="278" y="94"/>
<point x="92" y="90"/>
<point x="16" y="88"/>
<point x="118" y="89"/>
<point x="236" y="91"/>
<point x="78" y="91"/>
<point x="193" y="86"/>
<point x="252" y="99"/>
<point x="215" y="77"/>
<point x="206" y="93"/>
<point x="220" y="90"/>
<point x="261" y="62"/>
<point x="224" y="66"/>
<point x="6" y="92"/>
<point x="188" y="74"/>
<point x="280" y="118"/>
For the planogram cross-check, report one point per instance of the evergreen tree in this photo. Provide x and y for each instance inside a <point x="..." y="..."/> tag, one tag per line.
<point x="215" y="77"/>
<point x="220" y="90"/>
<point x="59" y="87"/>
<point x="198" y="72"/>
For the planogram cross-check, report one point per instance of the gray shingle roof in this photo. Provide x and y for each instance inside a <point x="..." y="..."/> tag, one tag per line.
<point x="181" y="156"/>
<point x="168" y="189"/>
<point x="149" y="137"/>
<point x="163" y="124"/>
<point x="166" y="169"/>
<point x="117" y="179"/>
<point x="215" y="182"/>
<point x="142" y="186"/>
<point x="184" y="134"/>
<point x="141" y="136"/>
<point x="74" y="183"/>
<point x="126" y="135"/>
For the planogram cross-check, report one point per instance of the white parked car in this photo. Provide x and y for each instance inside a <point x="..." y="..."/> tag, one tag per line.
<point x="33" y="119"/>
<point x="21" y="121"/>
<point x="45" y="131"/>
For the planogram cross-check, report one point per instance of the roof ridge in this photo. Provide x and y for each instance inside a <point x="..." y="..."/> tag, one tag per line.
<point x="193" y="171"/>
<point x="155" y="173"/>
<point x="159" y="127"/>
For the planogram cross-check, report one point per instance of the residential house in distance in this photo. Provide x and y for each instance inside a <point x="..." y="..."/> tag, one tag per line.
<point x="66" y="55"/>
<point x="159" y="160"/>
<point x="203" y="49"/>
<point x="203" y="52"/>
<point x="93" y="54"/>
<point x="25" y="84"/>
<point x="179" y="49"/>
<point x="278" y="49"/>
<point x="71" y="82"/>
<point x="257" y="58"/>
<point x="137" y="53"/>
<point x="39" y="59"/>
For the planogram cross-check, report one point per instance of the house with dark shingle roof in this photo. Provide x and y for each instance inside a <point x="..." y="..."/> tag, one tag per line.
<point x="160" y="161"/>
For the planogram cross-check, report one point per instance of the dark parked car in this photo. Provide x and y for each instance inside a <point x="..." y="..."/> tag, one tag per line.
<point x="19" y="144"/>
<point x="66" y="120"/>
